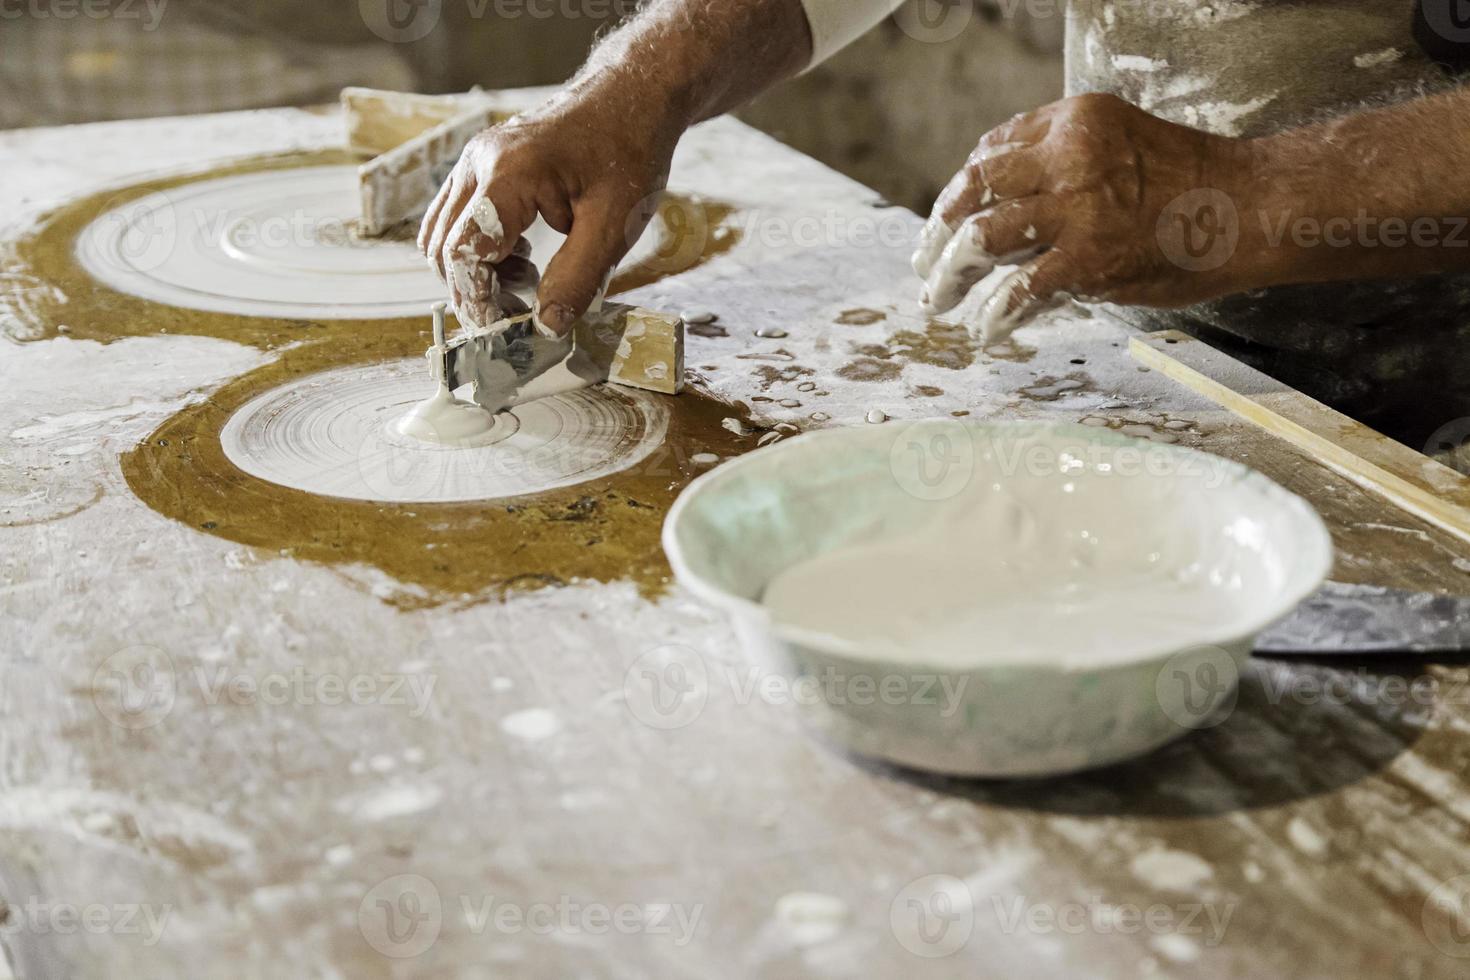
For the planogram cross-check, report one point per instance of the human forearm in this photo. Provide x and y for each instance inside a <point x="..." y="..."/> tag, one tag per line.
<point x="693" y="59"/>
<point x="593" y="159"/>
<point x="1092" y="197"/>
<point x="1376" y="194"/>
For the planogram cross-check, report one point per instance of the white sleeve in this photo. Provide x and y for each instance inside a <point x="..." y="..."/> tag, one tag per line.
<point x="837" y="23"/>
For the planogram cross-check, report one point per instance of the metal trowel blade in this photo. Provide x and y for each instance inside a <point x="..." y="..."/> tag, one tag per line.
<point x="502" y="359"/>
<point x="1369" y="619"/>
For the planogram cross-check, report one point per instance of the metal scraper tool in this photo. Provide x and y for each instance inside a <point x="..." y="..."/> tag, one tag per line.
<point x="1342" y="618"/>
<point x="499" y="360"/>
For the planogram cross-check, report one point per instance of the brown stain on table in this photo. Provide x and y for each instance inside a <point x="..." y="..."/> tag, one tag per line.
<point x="860" y="317"/>
<point x="870" y="369"/>
<point x="606" y="529"/>
<point x="461" y="553"/>
<point x="941" y="344"/>
<point x="91" y="310"/>
<point x="1049" y="388"/>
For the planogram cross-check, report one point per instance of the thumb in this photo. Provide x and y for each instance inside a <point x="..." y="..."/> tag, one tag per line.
<point x="598" y="239"/>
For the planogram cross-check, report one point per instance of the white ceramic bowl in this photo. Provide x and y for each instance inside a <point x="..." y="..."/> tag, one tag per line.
<point x="997" y="712"/>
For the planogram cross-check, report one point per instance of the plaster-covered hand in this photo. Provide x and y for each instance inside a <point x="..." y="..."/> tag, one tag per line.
<point x="1073" y="194"/>
<point x="588" y="162"/>
<point x="593" y="160"/>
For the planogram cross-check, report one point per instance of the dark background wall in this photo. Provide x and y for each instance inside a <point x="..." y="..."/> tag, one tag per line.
<point x="898" y="110"/>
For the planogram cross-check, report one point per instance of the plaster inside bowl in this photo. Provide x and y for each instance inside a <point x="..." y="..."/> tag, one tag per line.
<point x="1055" y="548"/>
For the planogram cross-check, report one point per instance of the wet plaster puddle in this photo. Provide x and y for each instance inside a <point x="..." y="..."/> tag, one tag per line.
<point x="606" y="529"/>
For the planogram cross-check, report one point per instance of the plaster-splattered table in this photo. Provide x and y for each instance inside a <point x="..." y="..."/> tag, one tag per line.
<point x="322" y="743"/>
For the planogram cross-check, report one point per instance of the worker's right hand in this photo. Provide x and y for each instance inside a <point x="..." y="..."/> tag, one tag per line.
<point x="592" y="162"/>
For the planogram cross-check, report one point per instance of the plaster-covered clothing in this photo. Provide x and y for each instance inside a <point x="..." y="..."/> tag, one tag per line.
<point x="1394" y="353"/>
<point x="837" y="23"/>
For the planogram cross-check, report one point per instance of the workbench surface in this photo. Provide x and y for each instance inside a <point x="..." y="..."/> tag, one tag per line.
<point x="492" y="802"/>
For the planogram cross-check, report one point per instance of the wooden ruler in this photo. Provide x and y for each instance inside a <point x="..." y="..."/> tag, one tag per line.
<point x="1407" y="479"/>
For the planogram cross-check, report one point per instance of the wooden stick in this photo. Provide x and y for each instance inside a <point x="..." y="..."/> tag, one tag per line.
<point x="400" y="184"/>
<point x="1407" y="479"/>
<point x="379" y="120"/>
<point x="638" y="347"/>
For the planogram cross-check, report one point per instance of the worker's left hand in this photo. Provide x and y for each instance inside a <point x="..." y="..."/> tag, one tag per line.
<point x="1073" y="194"/>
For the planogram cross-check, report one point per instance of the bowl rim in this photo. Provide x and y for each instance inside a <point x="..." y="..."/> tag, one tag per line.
<point x="1316" y="551"/>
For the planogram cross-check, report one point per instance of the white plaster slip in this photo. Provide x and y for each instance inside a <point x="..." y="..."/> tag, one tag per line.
<point x="279" y="243"/>
<point x="1043" y="577"/>
<point x="358" y="432"/>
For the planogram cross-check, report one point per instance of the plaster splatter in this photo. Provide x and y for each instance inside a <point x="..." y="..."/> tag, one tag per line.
<point x="1177" y="871"/>
<point x="531" y="725"/>
<point x="810" y="918"/>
